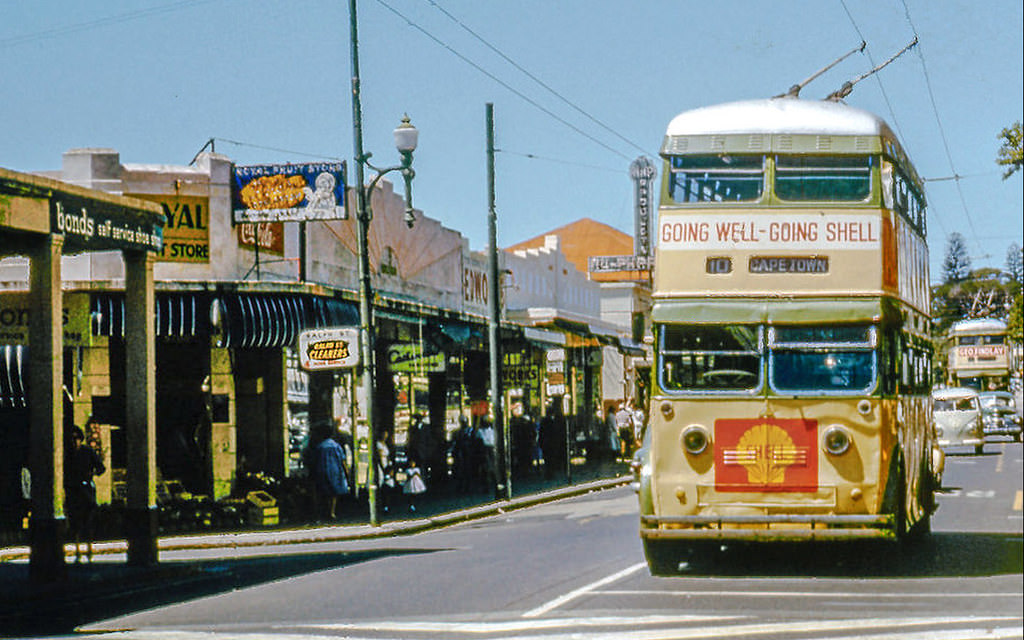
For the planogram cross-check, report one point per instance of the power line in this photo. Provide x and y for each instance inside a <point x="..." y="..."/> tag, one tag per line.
<point x="962" y="177"/>
<point x="888" y="103"/>
<point x="942" y="131"/>
<point x="504" y="84"/>
<point x="533" y="156"/>
<point x="878" y="78"/>
<point x="536" y="79"/>
<point x="99" y="22"/>
<point x="318" y="156"/>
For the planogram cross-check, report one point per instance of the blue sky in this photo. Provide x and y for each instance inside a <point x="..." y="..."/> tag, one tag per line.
<point x="156" y="79"/>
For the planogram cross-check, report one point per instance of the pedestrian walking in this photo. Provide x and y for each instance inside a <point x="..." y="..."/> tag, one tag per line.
<point x="82" y="466"/>
<point x="414" y="485"/>
<point x="553" y="439"/>
<point x="329" y="473"/>
<point x="624" y="425"/>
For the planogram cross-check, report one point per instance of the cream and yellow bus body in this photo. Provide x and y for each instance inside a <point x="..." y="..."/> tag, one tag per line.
<point x="979" y="355"/>
<point x="790" y="388"/>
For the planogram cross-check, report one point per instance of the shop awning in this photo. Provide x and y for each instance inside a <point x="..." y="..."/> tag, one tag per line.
<point x="177" y="314"/>
<point x="13" y="376"/>
<point x="241" y="319"/>
<point x="544" y="336"/>
<point x="275" y="320"/>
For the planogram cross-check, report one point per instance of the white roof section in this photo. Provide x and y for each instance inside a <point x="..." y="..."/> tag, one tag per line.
<point x="950" y="393"/>
<point x="779" y="116"/>
<point x="979" y="325"/>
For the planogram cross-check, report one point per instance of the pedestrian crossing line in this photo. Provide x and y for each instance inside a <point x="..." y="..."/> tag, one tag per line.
<point x="968" y="628"/>
<point x="805" y="594"/>
<point x="518" y="626"/>
<point x="846" y="629"/>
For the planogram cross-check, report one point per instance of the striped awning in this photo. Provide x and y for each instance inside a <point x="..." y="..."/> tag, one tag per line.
<point x="240" y="319"/>
<point x="13" y="376"/>
<point x="178" y="315"/>
<point x="275" y="320"/>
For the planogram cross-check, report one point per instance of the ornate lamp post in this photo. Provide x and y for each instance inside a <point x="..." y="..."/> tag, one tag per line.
<point x="406" y="137"/>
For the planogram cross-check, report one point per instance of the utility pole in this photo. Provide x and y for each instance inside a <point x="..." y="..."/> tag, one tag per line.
<point x="503" y="485"/>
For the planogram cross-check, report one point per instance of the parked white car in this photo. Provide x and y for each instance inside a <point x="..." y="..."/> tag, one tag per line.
<point x="958" y="423"/>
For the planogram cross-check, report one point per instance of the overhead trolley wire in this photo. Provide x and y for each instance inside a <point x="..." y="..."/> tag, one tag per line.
<point x="888" y="102"/>
<point x="504" y="84"/>
<point x="942" y="130"/>
<point x="531" y="76"/>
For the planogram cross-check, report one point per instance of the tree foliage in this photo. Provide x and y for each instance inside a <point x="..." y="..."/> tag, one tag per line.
<point x="978" y="293"/>
<point x="1011" y="153"/>
<point x="1015" y="272"/>
<point x="956" y="266"/>
<point x="1015" y="263"/>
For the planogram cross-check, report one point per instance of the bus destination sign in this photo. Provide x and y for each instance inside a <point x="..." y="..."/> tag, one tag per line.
<point x="788" y="264"/>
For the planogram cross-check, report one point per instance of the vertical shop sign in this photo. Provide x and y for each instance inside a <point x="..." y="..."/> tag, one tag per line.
<point x="642" y="172"/>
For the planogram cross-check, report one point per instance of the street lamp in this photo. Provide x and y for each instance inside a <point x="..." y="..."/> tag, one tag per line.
<point x="406" y="137"/>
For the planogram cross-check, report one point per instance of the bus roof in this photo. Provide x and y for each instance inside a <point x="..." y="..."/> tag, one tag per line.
<point x="979" y="325"/>
<point x="779" y="116"/>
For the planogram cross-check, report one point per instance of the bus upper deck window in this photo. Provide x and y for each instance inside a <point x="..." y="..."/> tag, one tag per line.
<point x="823" y="359"/>
<point x="823" y="178"/>
<point x="713" y="178"/>
<point x="710" y="358"/>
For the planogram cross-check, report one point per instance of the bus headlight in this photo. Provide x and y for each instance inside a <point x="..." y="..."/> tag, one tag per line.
<point x="836" y="440"/>
<point x="695" y="439"/>
<point x="667" y="410"/>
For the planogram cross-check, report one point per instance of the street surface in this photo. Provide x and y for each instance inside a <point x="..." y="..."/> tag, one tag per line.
<point x="574" y="569"/>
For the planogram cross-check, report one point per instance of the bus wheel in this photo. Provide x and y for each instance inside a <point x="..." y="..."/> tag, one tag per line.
<point x="662" y="557"/>
<point x="921" y="529"/>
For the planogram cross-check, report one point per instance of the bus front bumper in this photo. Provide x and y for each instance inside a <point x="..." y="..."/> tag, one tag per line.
<point x="768" y="527"/>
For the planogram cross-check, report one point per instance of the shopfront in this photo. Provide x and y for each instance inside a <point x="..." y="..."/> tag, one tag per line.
<point x="42" y="221"/>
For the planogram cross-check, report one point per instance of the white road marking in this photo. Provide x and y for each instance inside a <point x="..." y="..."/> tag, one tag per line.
<point x="859" y="629"/>
<point x="997" y="627"/>
<point x="507" y="626"/>
<point x="572" y="595"/>
<point x="803" y="594"/>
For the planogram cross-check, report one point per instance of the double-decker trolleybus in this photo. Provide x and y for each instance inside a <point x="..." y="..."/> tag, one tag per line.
<point x="790" y="389"/>
<point x="978" y="354"/>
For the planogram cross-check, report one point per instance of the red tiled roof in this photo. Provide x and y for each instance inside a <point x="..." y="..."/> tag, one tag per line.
<point x="582" y="239"/>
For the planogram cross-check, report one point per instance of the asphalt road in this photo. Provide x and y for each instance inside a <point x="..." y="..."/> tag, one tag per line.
<point x="574" y="569"/>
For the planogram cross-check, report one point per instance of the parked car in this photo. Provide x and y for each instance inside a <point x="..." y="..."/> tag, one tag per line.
<point x="999" y="414"/>
<point x="957" y="412"/>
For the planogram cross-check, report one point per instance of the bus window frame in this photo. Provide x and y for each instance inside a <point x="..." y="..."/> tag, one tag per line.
<point x="871" y="346"/>
<point x="662" y="353"/>
<point x="871" y="162"/>
<point x="710" y="173"/>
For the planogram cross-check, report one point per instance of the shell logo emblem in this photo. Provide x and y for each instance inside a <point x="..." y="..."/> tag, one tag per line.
<point x="766" y="455"/>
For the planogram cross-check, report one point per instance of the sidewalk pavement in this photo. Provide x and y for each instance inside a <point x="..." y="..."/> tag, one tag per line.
<point x="339" y="532"/>
<point x="108" y="587"/>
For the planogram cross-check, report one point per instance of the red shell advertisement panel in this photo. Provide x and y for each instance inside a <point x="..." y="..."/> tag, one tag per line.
<point x="766" y="455"/>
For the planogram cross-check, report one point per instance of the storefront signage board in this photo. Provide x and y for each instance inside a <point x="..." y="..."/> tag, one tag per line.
<point x="288" y="192"/>
<point x="335" y="348"/>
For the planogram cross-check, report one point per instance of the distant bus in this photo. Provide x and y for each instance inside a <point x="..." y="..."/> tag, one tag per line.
<point x="790" y="395"/>
<point x="979" y="355"/>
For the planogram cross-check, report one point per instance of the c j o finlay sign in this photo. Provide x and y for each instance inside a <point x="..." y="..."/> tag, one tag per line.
<point x="336" y="348"/>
